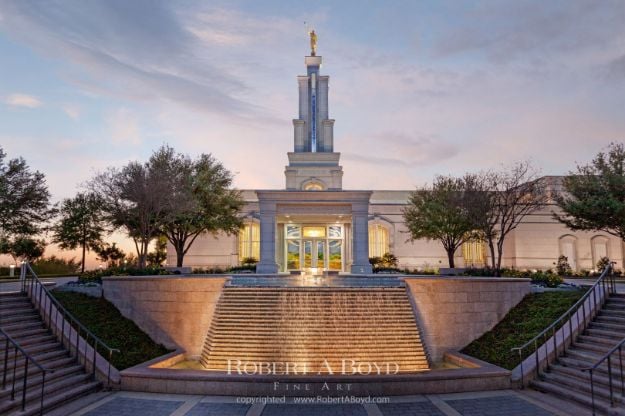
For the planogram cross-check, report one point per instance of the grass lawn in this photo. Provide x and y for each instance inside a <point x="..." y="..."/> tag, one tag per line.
<point x="526" y="320"/>
<point x="107" y="323"/>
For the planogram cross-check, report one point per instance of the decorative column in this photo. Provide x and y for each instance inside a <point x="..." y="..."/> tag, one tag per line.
<point x="360" y="233"/>
<point x="267" y="263"/>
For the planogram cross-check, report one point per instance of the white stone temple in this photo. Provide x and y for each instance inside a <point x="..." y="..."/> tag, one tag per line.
<point x="314" y="225"/>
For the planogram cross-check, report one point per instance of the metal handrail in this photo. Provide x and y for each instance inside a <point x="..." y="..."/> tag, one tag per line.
<point x="28" y="358"/>
<point x="604" y="286"/>
<point x="79" y="328"/>
<point x="607" y="356"/>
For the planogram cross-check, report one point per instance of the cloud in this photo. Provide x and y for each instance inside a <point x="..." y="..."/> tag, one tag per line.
<point x="159" y="59"/>
<point x="72" y="111"/>
<point x="23" y="100"/>
<point x="124" y="127"/>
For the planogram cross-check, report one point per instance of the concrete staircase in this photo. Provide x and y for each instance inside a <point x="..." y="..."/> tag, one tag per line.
<point x="20" y="320"/>
<point x="316" y="329"/>
<point x="565" y="378"/>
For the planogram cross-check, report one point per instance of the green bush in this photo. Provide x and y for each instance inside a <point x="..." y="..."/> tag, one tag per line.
<point x="522" y="323"/>
<point x="96" y="275"/>
<point x="107" y="323"/>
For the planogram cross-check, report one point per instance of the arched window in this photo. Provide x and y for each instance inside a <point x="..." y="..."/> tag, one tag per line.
<point x="568" y="248"/>
<point x="249" y="241"/>
<point x="313" y="186"/>
<point x="600" y="248"/>
<point x="378" y="240"/>
<point x="474" y="253"/>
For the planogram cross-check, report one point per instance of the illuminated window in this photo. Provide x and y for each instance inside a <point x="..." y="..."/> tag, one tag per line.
<point x="249" y="241"/>
<point x="600" y="249"/>
<point x="474" y="253"/>
<point x="314" y="231"/>
<point x="313" y="186"/>
<point x="378" y="240"/>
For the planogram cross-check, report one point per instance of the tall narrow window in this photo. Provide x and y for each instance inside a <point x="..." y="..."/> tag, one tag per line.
<point x="249" y="241"/>
<point x="378" y="240"/>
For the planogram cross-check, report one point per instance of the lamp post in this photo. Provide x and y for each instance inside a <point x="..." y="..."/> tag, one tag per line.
<point x="12" y="270"/>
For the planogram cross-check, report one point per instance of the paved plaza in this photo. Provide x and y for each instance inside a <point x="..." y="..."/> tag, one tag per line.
<point x="493" y="403"/>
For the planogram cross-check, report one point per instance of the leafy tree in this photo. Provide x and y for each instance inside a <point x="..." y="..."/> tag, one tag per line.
<point x="23" y="248"/>
<point x="204" y="201"/>
<point x="159" y="254"/>
<point x="80" y="224"/>
<point x="441" y="213"/>
<point x="24" y="198"/>
<point x="109" y="254"/>
<point x="594" y="195"/>
<point x="134" y="199"/>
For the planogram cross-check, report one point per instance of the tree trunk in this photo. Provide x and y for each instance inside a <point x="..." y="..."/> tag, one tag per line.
<point x="84" y="249"/>
<point x="493" y="255"/>
<point x="499" y="256"/>
<point x="179" y="258"/>
<point x="450" y="257"/>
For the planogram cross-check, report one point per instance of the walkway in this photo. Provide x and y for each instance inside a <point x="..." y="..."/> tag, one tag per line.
<point x="315" y="281"/>
<point x="494" y="403"/>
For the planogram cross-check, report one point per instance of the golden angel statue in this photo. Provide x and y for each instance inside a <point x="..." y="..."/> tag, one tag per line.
<point x="313" y="43"/>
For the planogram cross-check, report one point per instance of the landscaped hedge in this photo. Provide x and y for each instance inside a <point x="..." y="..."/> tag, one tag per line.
<point x="107" y="323"/>
<point x="526" y="320"/>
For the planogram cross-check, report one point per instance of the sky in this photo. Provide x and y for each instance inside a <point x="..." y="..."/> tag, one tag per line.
<point x="417" y="88"/>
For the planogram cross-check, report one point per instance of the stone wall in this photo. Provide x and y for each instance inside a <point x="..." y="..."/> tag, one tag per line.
<point x="453" y="311"/>
<point x="173" y="311"/>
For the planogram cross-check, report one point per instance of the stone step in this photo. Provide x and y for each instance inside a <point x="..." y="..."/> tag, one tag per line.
<point x="611" y="312"/>
<point x="54" y="386"/>
<point x="576" y="396"/>
<point x="618" y="328"/>
<point x="596" y="348"/>
<point x="610" y="319"/>
<point x="17" y="318"/>
<point x="284" y="336"/>
<point x="59" y="398"/>
<point x="35" y="379"/>
<point x="41" y="357"/>
<point x="310" y="346"/>
<point x="604" y="333"/>
<point x="7" y="307"/>
<point x="584" y="376"/>
<point x="20" y="326"/>
<point x="581" y="386"/>
<point x="52" y="364"/>
<point x="599" y="340"/>
<point x="26" y="341"/>
<point x="17" y="335"/>
<point x="34" y="348"/>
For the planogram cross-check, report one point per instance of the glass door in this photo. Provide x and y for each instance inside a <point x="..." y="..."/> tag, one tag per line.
<point x="308" y="254"/>
<point x="320" y="255"/>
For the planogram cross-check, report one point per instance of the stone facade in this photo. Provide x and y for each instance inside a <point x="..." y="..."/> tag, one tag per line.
<point x="455" y="311"/>
<point x="173" y="311"/>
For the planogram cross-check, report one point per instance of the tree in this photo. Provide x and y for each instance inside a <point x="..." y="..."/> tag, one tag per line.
<point x="24" y="198"/>
<point x="594" y="195"/>
<point x="159" y="254"/>
<point x="80" y="224"/>
<point x="109" y="254"/>
<point x="23" y="248"/>
<point x="204" y="201"/>
<point x="134" y="198"/>
<point x="502" y="201"/>
<point x="441" y="213"/>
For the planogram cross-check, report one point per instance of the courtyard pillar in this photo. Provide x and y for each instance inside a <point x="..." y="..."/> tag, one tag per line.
<point x="267" y="263"/>
<point x="360" y="233"/>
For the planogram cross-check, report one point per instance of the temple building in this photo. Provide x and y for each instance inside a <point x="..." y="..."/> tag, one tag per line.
<point x="314" y="225"/>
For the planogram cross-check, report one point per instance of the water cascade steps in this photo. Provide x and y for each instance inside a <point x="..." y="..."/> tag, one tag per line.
<point x="329" y="330"/>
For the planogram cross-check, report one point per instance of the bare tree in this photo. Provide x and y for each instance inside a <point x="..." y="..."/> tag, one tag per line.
<point x="507" y="198"/>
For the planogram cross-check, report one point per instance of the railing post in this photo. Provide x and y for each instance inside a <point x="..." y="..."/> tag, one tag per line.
<point x="43" y="383"/>
<point x="620" y="359"/>
<point x="521" y="364"/>
<point x="537" y="360"/>
<point x="6" y="362"/>
<point x="26" y="359"/>
<point x="610" y="381"/>
<point x="14" y="370"/>
<point x="95" y="351"/>
<point x="592" y="392"/>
